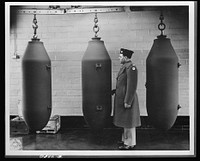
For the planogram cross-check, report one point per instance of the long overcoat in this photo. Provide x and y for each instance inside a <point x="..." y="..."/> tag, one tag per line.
<point x="126" y="93"/>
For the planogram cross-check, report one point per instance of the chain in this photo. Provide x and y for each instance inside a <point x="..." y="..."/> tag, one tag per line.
<point x="96" y="27"/>
<point x="35" y="26"/>
<point x="161" y="25"/>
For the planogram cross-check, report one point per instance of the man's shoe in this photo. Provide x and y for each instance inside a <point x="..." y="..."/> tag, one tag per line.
<point x="126" y="147"/>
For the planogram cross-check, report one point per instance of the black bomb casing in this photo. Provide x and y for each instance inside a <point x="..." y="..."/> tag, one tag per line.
<point x="36" y="85"/>
<point x="162" y="84"/>
<point x="96" y="84"/>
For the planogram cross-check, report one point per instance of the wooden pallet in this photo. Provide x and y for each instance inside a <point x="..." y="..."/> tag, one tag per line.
<point x="18" y="126"/>
<point x="52" y="126"/>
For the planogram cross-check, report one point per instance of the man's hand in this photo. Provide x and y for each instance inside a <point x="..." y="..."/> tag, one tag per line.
<point x="127" y="105"/>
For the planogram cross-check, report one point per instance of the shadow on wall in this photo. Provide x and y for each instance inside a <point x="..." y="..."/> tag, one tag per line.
<point x="174" y="12"/>
<point x="13" y="16"/>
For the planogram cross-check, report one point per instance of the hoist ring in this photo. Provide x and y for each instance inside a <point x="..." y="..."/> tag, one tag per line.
<point x="160" y="26"/>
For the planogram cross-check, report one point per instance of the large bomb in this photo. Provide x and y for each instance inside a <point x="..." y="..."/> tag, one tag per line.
<point x="96" y="84"/>
<point x="162" y="94"/>
<point x="36" y="85"/>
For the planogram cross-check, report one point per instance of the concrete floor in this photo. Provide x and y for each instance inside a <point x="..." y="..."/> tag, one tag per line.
<point x="85" y="139"/>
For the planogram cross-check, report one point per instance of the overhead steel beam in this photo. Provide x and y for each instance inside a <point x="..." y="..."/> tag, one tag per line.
<point x="70" y="11"/>
<point x="96" y="10"/>
<point x="41" y="11"/>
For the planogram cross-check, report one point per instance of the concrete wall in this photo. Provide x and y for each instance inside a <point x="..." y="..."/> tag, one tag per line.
<point x="66" y="38"/>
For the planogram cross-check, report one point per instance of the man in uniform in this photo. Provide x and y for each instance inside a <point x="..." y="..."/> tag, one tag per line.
<point x="126" y="107"/>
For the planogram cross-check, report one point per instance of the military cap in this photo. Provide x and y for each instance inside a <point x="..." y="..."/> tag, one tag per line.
<point x="126" y="52"/>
